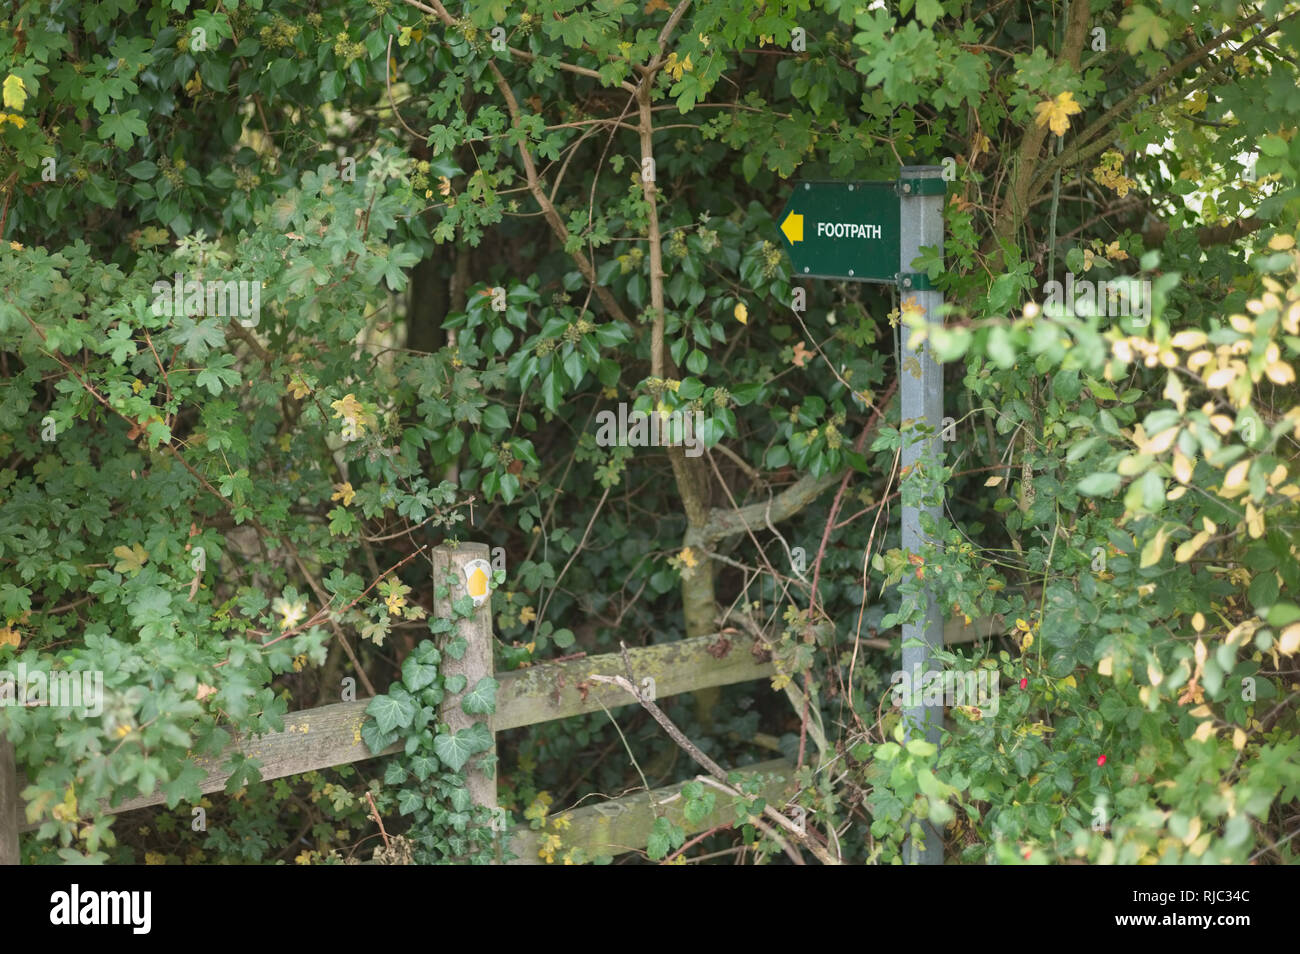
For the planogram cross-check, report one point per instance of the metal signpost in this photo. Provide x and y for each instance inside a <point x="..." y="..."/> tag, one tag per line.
<point x="872" y="232"/>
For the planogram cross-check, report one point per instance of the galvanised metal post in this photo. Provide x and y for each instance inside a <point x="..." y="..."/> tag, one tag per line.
<point x="921" y="195"/>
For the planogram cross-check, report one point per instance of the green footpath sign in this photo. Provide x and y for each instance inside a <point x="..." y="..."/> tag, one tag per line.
<point x="874" y="232"/>
<point x="846" y="230"/>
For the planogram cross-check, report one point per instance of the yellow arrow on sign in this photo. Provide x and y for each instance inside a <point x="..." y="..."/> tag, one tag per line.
<point x="793" y="227"/>
<point x="477" y="585"/>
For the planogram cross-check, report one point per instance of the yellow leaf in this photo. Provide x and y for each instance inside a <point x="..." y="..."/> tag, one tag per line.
<point x="347" y="407"/>
<point x="1238" y="739"/>
<point x="1154" y="550"/>
<point x="291" y="614"/>
<point x="15" y="92"/>
<point x="344" y="492"/>
<point x="1175" y="392"/>
<point x="1289" y="641"/>
<point x="1280" y="243"/>
<point x="1056" y="113"/>
<point x="1106" y="667"/>
<point x="130" y="559"/>
<point x="1220" y="378"/>
<point x="1254" y="521"/>
<point x="1187" y="340"/>
<point x="1235" y="480"/>
<point x="298" y="388"/>
<point x="1162" y="441"/>
<point x="1198" y="623"/>
<point x="1279" y="372"/>
<point x="741" y="313"/>
<point x="1188" y="549"/>
<point x="9" y="636"/>
<point x="993" y="481"/>
<point x="1203" y="731"/>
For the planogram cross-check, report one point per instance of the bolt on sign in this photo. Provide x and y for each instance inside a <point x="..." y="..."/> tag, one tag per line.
<point x="844" y="230"/>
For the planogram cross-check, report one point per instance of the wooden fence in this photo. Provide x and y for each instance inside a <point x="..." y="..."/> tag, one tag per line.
<point x="330" y="736"/>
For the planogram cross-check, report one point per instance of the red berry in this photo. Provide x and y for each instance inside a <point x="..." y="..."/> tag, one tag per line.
<point x="1024" y="683"/>
<point x="1101" y="760"/>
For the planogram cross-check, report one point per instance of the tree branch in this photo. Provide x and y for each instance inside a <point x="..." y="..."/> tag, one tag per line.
<point x="728" y="523"/>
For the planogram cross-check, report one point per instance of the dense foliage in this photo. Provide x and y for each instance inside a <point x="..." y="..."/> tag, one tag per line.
<point x="472" y="229"/>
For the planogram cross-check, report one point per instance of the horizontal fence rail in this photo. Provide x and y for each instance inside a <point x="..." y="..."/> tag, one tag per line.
<point x="329" y="736"/>
<point x="620" y="825"/>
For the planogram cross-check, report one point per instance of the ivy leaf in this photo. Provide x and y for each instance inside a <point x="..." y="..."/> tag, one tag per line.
<point x="454" y="750"/>
<point x="479" y="735"/>
<point x="409" y="800"/>
<point x="393" y="711"/>
<point x="375" y="738"/>
<point x="454" y="683"/>
<point x="416" y="675"/>
<point x="482" y="699"/>
<point x="423" y="766"/>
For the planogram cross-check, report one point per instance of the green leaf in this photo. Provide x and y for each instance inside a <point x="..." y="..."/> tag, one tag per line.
<point x="454" y="750"/>
<point x="921" y="748"/>
<point x="664" y="837"/>
<point x="1098" y="485"/>
<point x="927" y="11"/>
<point x="1145" y="28"/>
<point x="454" y="683"/>
<point x="416" y="675"/>
<point x="392" y="712"/>
<point x="409" y="800"/>
<point x="122" y="128"/>
<point x="888" y="751"/>
<point x="482" y="699"/>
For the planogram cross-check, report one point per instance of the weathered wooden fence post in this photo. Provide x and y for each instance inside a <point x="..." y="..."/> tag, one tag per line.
<point x="8" y="804"/>
<point x="470" y="572"/>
